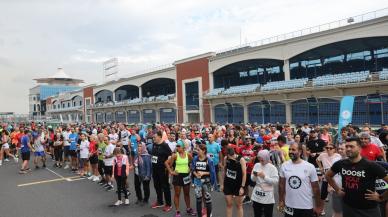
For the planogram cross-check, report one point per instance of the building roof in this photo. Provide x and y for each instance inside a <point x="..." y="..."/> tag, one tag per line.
<point x="60" y="77"/>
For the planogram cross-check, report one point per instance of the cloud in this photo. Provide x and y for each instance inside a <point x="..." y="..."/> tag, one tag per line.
<point x="39" y="36"/>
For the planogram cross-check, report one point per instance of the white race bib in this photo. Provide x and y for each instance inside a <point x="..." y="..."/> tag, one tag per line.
<point x="231" y="174"/>
<point x="260" y="193"/>
<point x="186" y="180"/>
<point x="154" y="159"/>
<point x="289" y="211"/>
<point x="381" y="185"/>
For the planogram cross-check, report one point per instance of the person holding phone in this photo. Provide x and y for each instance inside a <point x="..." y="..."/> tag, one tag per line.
<point x="265" y="175"/>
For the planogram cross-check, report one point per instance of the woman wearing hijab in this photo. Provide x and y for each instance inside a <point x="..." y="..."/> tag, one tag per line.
<point x="266" y="177"/>
<point x="142" y="164"/>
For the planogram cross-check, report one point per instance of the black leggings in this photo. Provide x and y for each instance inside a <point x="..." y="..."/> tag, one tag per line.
<point x="324" y="191"/>
<point x="101" y="167"/>
<point x="161" y="185"/>
<point x="146" y="189"/>
<point x="259" y="209"/>
<point x="58" y="153"/>
<point x="120" y="181"/>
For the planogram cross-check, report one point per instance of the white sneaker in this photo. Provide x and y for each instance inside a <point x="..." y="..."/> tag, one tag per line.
<point x="1" y="162"/>
<point x="126" y="202"/>
<point x="96" y="179"/>
<point x="90" y="177"/>
<point x="66" y="167"/>
<point x="118" y="203"/>
<point x="6" y="160"/>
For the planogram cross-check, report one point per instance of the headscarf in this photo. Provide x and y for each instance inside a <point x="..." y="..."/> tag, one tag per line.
<point x="144" y="152"/>
<point x="264" y="155"/>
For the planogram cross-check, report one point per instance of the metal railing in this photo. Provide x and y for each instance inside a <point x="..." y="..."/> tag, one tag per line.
<point x="307" y="31"/>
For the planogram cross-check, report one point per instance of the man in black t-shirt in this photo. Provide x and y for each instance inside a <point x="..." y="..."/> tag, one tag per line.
<point x="358" y="182"/>
<point x="314" y="148"/>
<point x="160" y="153"/>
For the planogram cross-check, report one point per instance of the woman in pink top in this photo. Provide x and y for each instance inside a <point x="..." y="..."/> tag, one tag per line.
<point x="325" y="161"/>
<point x="325" y="136"/>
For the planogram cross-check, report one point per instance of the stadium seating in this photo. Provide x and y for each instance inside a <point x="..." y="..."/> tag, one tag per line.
<point x="242" y="89"/>
<point x="383" y="75"/>
<point x="345" y="78"/>
<point x="215" y="92"/>
<point x="279" y="85"/>
<point x="134" y="101"/>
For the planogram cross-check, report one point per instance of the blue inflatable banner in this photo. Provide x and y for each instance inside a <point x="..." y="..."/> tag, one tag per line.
<point x="346" y="112"/>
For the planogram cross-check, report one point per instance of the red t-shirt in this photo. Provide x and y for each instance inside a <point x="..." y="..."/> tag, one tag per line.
<point x="371" y="152"/>
<point x="248" y="154"/>
<point x="92" y="148"/>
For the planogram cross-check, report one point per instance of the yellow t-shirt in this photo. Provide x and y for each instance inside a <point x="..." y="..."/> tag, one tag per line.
<point x="285" y="149"/>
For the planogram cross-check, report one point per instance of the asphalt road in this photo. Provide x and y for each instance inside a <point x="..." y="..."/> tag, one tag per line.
<point x="49" y="193"/>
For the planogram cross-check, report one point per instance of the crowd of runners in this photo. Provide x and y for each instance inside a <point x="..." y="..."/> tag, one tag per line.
<point x="248" y="163"/>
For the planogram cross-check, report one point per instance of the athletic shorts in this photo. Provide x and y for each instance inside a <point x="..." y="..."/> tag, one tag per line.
<point x="182" y="179"/>
<point x="108" y="170"/>
<point x="127" y="151"/>
<point x="93" y="159"/>
<point x="25" y="156"/>
<point x="232" y="190"/>
<point x="12" y="146"/>
<point x="5" y="146"/>
<point x="39" y="154"/>
<point x="66" y="151"/>
<point x="72" y="153"/>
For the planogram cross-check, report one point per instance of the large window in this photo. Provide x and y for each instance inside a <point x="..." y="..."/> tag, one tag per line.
<point x="315" y="111"/>
<point x="249" y="72"/>
<point x="341" y="57"/>
<point x="192" y="95"/>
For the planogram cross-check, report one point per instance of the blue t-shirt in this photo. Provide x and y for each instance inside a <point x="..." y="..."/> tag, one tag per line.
<point x="73" y="141"/>
<point x="134" y="144"/>
<point x="24" y="146"/>
<point x="213" y="150"/>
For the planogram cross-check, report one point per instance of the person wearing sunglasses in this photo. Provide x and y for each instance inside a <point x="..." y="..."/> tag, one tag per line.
<point x="181" y="176"/>
<point x="325" y="161"/>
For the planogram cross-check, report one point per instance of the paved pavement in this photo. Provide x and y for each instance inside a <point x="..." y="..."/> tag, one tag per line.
<point x="54" y="192"/>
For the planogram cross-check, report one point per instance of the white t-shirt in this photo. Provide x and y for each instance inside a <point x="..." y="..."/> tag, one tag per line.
<point x="376" y="141"/>
<point x="84" y="149"/>
<point x="172" y="145"/>
<point x="109" y="151"/>
<point x="263" y="192"/>
<point x="299" y="193"/>
<point x="66" y="138"/>
<point x="94" y="131"/>
<point x="113" y="137"/>
<point x="125" y="137"/>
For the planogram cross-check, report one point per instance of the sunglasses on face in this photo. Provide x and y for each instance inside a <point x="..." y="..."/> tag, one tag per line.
<point x="364" y="138"/>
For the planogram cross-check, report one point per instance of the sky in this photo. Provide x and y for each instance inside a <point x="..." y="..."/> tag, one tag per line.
<point x="37" y="37"/>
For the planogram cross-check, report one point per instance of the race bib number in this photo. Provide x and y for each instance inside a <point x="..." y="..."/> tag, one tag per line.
<point x="381" y="185"/>
<point x="211" y="155"/>
<point x="231" y="174"/>
<point x="154" y="159"/>
<point x="186" y="180"/>
<point x="289" y="211"/>
<point x="260" y="193"/>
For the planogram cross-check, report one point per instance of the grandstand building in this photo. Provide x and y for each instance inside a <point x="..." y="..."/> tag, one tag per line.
<point x="297" y="77"/>
<point x="60" y="82"/>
